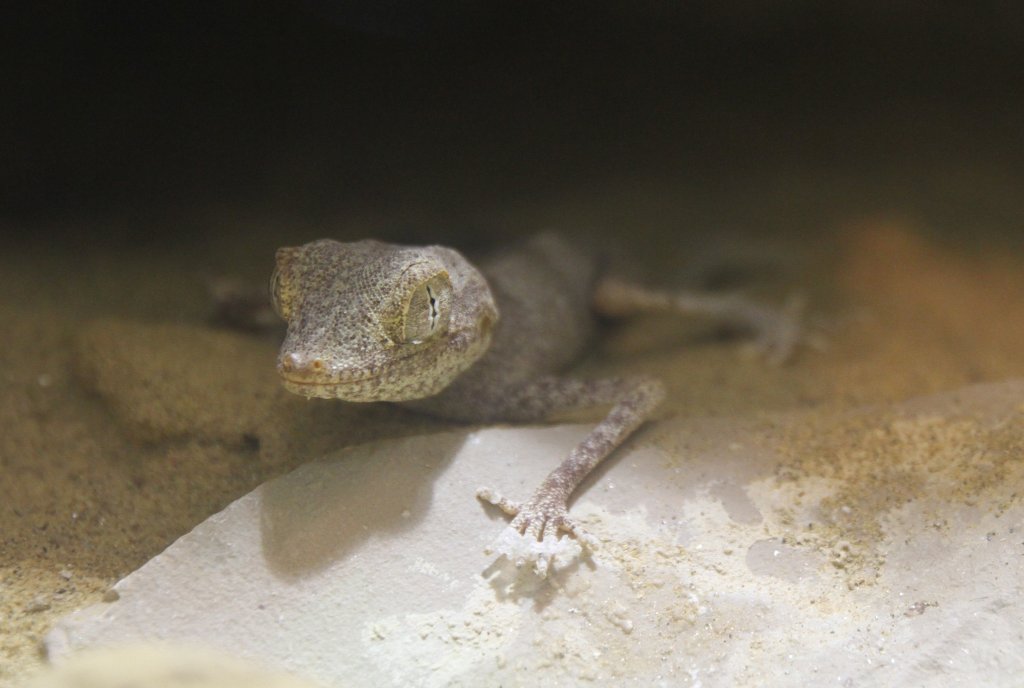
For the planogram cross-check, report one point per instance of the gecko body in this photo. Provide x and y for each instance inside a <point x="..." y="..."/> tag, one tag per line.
<point x="425" y="328"/>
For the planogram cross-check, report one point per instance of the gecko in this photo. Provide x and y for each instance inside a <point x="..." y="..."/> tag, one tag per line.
<point x="423" y="327"/>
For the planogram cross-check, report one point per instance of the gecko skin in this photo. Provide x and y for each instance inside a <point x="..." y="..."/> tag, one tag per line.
<point x="421" y="326"/>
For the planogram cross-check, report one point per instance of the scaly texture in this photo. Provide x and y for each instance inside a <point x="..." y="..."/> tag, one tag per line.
<point x="369" y="321"/>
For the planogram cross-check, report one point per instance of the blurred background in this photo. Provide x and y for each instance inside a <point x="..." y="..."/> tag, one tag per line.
<point x="426" y="111"/>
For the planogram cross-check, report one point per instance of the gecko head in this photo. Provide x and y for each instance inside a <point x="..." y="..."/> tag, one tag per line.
<point x="370" y="321"/>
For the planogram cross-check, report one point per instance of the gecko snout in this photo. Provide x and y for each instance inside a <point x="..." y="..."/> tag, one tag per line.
<point x="297" y="364"/>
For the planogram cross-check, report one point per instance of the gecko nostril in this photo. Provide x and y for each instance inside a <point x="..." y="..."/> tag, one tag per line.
<point x="290" y="362"/>
<point x="317" y="364"/>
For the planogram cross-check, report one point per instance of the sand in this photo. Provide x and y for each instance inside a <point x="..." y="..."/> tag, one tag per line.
<point x="127" y="418"/>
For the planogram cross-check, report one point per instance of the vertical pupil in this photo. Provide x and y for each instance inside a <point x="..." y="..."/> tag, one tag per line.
<point x="433" y="307"/>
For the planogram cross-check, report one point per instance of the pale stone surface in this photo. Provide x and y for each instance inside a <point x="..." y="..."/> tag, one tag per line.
<point x="733" y="554"/>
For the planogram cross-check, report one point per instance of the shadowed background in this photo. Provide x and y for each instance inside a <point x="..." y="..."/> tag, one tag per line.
<point x="427" y="110"/>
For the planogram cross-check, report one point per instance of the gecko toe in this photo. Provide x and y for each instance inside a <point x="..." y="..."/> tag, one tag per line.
<point x="780" y="340"/>
<point x="491" y="497"/>
<point x="542" y="566"/>
<point x="573" y="528"/>
<point x="535" y="528"/>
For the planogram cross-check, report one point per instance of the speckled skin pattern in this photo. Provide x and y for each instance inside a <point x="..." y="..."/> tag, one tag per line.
<point x="348" y="312"/>
<point x="421" y="326"/>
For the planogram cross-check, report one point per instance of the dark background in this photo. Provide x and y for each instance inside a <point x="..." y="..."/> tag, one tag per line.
<point x="146" y="110"/>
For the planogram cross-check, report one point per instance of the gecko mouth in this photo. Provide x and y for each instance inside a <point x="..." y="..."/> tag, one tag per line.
<point x="297" y="382"/>
<point x="356" y="389"/>
<point x="305" y="380"/>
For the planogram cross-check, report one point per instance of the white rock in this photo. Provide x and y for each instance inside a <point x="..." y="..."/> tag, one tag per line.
<point x="368" y="569"/>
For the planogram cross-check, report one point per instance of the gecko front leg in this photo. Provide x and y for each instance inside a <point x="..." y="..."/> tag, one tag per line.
<point x="536" y="524"/>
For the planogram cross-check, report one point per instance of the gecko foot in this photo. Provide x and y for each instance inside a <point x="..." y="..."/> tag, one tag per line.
<point x="533" y="534"/>
<point x="777" y="333"/>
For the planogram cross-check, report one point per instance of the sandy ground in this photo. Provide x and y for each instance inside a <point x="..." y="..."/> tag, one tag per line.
<point x="127" y="418"/>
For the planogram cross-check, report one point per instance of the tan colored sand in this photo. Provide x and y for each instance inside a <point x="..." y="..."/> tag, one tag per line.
<point x="161" y="666"/>
<point x="879" y="462"/>
<point x="121" y="431"/>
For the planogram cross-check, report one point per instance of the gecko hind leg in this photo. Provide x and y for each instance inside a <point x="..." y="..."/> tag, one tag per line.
<point x="533" y="534"/>
<point x="777" y="332"/>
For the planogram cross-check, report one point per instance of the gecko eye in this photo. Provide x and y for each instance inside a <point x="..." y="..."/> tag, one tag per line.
<point x="428" y="309"/>
<point x="280" y="298"/>
<point x="280" y="307"/>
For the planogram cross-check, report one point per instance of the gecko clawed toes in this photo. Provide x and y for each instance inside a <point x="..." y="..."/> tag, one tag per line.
<point x="778" y="333"/>
<point x="535" y="532"/>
